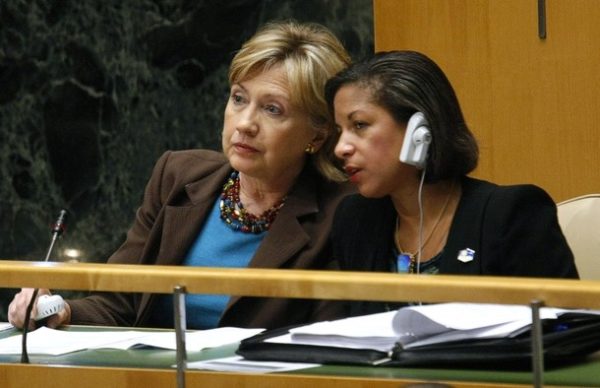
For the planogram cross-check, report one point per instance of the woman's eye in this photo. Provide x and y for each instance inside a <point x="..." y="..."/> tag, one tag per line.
<point x="360" y="125"/>
<point x="236" y="98"/>
<point x="272" y="109"/>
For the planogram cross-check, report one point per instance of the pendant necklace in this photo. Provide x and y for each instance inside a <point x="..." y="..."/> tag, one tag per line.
<point x="407" y="261"/>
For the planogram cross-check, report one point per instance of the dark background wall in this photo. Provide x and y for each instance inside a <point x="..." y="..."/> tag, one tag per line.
<point x="93" y="91"/>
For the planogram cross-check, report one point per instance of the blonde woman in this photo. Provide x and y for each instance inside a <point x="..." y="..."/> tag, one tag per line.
<point x="266" y="201"/>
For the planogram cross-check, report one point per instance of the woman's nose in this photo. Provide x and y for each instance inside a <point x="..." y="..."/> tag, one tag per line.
<point x="343" y="148"/>
<point x="247" y="122"/>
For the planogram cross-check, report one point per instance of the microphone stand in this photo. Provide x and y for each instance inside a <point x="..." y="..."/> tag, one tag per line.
<point x="57" y="229"/>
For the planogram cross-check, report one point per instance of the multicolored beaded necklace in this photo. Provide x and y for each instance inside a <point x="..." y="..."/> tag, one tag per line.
<point x="235" y="215"/>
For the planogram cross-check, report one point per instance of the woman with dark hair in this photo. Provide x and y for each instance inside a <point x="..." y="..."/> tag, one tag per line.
<point x="405" y="145"/>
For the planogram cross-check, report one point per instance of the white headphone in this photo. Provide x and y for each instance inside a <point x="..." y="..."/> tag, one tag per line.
<point x="416" y="141"/>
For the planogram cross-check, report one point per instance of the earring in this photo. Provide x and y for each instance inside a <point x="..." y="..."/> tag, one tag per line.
<point x="310" y="148"/>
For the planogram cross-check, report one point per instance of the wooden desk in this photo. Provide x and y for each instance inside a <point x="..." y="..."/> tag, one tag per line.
<point x="116" y="371"/>
<point x="145" y="368"/>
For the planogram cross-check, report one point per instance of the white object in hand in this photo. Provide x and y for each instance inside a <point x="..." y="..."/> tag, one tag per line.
<point x="49" y="305"/>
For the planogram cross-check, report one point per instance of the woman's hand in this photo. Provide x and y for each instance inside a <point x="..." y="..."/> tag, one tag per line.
<point x="18" y="308"/>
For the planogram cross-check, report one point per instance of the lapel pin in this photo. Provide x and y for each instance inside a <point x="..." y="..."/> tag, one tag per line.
<point x="466" y="255"/>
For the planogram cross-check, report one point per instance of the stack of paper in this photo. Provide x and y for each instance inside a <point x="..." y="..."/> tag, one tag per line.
<point x="57" y="342"/>
<point x="369" y="331"/>
<point x="416" y="326"/>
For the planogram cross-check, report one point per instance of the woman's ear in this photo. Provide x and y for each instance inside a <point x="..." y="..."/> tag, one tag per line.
<point x="318" y="139"/>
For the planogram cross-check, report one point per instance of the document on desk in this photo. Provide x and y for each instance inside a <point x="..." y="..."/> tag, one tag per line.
<point x="194" y="340"/>
<point x="56" y="342"/>
<point x="239" y="364"/>
<point x="5" y="326"/>
<point x="454" y="334"/>
<point x="373" y="331"/>
<point x="417" y="326"/>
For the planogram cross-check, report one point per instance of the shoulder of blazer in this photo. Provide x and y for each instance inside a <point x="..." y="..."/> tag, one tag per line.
<point x="196" y="172"/>
<point x="480" y="203"/>
<point x="479" y="194"/>
<point x="191" y="164"/>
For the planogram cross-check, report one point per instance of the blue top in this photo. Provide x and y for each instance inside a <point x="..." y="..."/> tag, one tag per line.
<point x="217" y="245"/>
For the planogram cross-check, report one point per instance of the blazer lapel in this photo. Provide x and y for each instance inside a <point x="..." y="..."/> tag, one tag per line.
<point x="466" y="230"/>
<point x="181" y="227"/>
<point x="287" y="236"/>
<point x="182" y="222"/>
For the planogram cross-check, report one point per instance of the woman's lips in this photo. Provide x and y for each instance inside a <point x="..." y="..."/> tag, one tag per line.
<point x="352" y="173"/>
<point x="244" y="148"/>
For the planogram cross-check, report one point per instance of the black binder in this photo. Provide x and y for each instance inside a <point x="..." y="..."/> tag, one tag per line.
<point x="567" y="339"/>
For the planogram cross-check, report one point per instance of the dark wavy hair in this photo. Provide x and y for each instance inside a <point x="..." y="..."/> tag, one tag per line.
<point x="404" y="82"/>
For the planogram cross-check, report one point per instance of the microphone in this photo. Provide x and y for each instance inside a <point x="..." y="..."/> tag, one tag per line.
<point x="58" y="228"/>
<point x="47" y="305"/>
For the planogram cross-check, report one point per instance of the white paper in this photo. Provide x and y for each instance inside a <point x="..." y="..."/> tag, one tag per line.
<point x="372" y="331"/>
<point x="503" y="330"/>
<point x="368" y="326"/>
<point x="5" y="326"/>
<point x="464" y="316"/>
<point x="56" y="342"/>
<point x="456" y="321"/>
<point x="194" y="340"/>
<point x="239" y="364"/>
<point x="418" y="325"/>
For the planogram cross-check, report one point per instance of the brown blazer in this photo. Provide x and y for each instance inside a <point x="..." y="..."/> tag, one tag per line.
<point x="178" y="197"/>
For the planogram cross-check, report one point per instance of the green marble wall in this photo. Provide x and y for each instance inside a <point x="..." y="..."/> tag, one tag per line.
<point x="93" y="91"/>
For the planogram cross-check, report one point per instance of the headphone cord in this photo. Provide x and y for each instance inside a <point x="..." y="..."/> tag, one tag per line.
<point x="421" y="221"/>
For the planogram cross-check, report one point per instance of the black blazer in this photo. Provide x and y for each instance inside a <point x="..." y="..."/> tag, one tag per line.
<point x="513" y="230"/>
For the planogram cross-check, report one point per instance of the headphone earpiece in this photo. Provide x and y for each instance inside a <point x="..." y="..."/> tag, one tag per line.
<point x="416" y="141"/>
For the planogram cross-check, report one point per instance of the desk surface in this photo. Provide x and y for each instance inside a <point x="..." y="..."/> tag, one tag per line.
<point x="133" y="368"/>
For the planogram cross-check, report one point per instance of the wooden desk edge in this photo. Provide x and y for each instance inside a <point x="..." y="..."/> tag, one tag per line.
<point x="60" y="376"/>
<point x="301" y="283"/>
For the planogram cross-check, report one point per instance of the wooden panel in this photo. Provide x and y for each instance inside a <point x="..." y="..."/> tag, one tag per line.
<point x="533" y="104"/>
<point x="33" y="376"/>
<point x="302" y="283"/>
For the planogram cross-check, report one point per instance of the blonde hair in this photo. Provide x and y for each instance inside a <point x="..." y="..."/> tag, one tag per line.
<point x="310" y="55"/>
